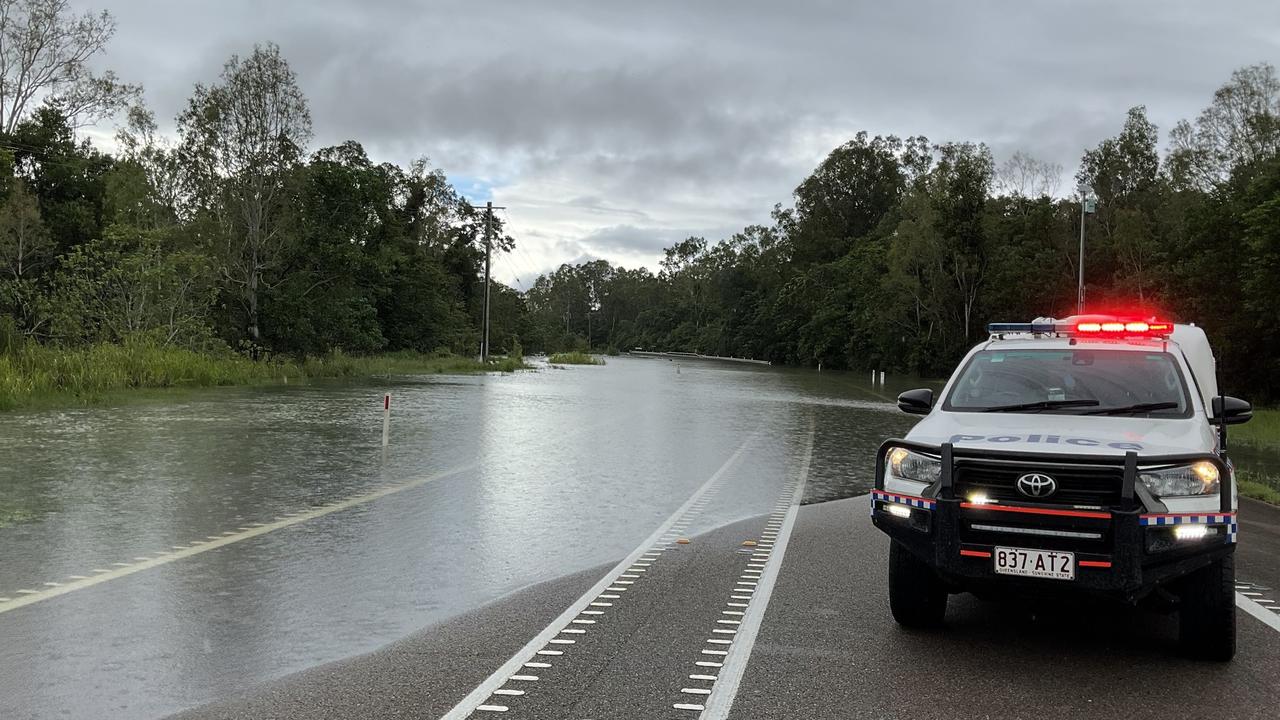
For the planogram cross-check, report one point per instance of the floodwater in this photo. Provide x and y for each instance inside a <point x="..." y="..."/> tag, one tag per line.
<point x="491" y="483"/>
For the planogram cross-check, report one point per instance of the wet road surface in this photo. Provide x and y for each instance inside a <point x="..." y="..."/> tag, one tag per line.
<point x="162" y="555"/>
<point x="826" y="648"/>
<point x="494" y="486"/>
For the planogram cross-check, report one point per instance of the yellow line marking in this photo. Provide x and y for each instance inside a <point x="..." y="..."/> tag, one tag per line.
<point x="33" y="596"/>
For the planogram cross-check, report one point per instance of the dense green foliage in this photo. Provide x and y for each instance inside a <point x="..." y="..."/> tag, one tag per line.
<point x="897" y="253"/>
<point x="236" y="238"/>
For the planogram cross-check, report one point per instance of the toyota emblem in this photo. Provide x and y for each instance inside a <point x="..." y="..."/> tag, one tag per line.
<point x="1035" y="485"/>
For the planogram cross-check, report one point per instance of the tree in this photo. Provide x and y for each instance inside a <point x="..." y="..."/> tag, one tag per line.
<point x="1024" y="176"/>
<point x="24" y="240"/>
<point x="1240" y="127"/>
<point x="126" y="284"/>
<point x="44" y="56"/>
<point x="241" y="141"/>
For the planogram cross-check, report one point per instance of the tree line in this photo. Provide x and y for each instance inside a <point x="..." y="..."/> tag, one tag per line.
<point x="236" y="237"/>
<point x="897" y="251"/>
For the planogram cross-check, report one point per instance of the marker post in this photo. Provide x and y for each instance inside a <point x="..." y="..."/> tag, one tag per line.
<point x="386" y="419"/>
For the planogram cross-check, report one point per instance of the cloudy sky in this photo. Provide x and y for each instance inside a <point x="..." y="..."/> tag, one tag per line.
<point x="612" y="129"/>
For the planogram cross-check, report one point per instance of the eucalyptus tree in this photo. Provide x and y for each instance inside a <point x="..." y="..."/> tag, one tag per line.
<point x="241" y="141"/>
<point x="45" y="54"/>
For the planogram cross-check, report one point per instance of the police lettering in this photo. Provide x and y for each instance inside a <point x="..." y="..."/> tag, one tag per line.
<point x="1045" y="440"/>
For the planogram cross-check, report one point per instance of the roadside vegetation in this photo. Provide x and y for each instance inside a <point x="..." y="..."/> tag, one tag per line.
<point x="33" y="375"/>
<point x="1261" y="433"/>
<point x="575" y="358"/>
<point x="1259" y="486"/>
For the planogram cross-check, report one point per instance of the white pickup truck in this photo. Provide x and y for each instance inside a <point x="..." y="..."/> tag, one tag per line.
<point x="1079" y="455"/>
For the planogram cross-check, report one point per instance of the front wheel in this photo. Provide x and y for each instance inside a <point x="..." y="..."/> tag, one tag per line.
<point x="1207" y="616"/>
<point x="917" y="596"/>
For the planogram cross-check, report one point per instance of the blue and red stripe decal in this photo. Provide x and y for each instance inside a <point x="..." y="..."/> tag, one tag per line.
<point x="910" y="500"/>
<point x="1168" y="519"/>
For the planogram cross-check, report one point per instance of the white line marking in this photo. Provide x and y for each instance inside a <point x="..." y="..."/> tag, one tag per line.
<point x="550" y="652"/>
<point x="715" y="652"/>
<point x="493" y="708"/>
<point x="574" y="631"/>
<point x="537" y="665"/>
<point x="147" y="564"/>
<point x="726" y="689"/>
<point x="686" y="706"/>
<point x="708" y="663"/>
<point x="494" y="681"/>
<point x="525" y="678"/>
<point x="695" y="691"/>
<point x="726" y="631"/>
<point x="712" y="678"/>
<point x="718" y="641"/>
<point x="507" y="691"/>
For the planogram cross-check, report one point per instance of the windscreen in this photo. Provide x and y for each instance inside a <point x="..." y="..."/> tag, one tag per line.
<point x="1072" y="381"/>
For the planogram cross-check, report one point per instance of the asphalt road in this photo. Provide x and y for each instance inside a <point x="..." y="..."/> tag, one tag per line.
<point x="826" y="647"/>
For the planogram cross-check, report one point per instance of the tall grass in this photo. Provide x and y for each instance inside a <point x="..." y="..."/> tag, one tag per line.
<point x="574" y="358"/>
<point x="38" y="375"/>
<point x="1262" y="432"/>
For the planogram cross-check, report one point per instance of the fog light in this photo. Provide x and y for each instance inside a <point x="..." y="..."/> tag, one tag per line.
<point x="979" y="499"/>
<point x="1190" y="532"/>
<point x="901" y="511"/>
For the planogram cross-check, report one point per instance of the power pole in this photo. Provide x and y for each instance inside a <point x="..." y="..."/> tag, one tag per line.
<point x="488" y="253"/>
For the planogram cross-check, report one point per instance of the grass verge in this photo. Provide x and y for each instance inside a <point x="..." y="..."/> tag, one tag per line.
<point x="37" y="376"/>
<point x="1258" y="486"/>
<point x="1262" y="432"/>
<point x="575" y="358"/>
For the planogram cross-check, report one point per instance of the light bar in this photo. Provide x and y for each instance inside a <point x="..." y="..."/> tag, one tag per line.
<point x="1098" y="326"/>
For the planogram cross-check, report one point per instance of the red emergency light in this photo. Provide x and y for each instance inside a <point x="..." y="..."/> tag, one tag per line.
<point x="1123" y="328"/>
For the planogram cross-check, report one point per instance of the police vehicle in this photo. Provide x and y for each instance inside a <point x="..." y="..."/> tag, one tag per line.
<point x="1063" y="456"/>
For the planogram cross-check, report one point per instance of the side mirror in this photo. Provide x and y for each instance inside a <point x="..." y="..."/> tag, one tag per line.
<point x="1227" y="410"/>
<point x="916" y="402"/>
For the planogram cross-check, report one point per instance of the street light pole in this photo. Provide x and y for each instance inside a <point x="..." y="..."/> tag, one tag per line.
<point x="1080" y="284"/>
<point x="1086" y="206"/>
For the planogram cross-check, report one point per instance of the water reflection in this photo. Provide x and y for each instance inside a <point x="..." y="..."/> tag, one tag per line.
<point x="572" y="469"/>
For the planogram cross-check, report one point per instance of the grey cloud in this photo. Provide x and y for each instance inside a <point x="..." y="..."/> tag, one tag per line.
<point x="670" y="114"/>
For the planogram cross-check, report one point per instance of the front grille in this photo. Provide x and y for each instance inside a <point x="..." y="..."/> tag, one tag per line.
<point x="1081" y="485"/>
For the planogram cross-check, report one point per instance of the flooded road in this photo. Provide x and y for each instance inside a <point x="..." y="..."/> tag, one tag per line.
<point x="158" y="556"/>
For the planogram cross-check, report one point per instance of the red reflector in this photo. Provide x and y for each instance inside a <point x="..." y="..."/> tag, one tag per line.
<point x="1095" y="563"/>
<point x="975" y="553"/>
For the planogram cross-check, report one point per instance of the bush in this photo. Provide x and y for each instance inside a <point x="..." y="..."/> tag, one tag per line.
<point x="575" y="358"/>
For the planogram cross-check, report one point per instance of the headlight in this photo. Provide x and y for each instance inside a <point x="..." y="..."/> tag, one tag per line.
<point x="1196" y="479"/>
<point x="907" y="465"/>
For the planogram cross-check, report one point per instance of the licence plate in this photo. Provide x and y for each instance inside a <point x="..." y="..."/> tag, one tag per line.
<point x="1052" y="564"/>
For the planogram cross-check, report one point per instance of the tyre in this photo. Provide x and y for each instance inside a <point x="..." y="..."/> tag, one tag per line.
<point x="917" y="596"/>
<point x="1207" y="611"/>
